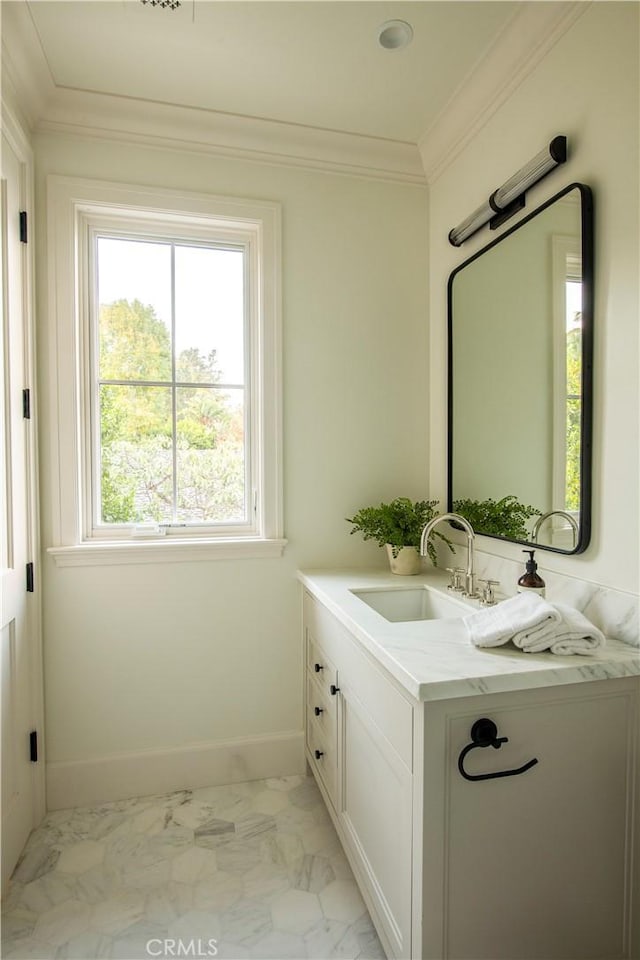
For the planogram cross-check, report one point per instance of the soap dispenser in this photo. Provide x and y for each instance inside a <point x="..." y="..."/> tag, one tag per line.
<point x="531" y="581"/>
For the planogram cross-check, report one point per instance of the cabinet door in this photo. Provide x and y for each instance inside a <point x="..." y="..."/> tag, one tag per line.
<point x="535" y="864"/>
<point x="376" y="815"/>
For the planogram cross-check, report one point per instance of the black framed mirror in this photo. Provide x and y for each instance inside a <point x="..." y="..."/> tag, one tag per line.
<point x="520" y="392"/>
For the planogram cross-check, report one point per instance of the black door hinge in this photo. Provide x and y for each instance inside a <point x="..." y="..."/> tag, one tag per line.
<point x="33" y="746"/>
<point x="30" y="586"/>
<point x="26" y="403"/>
<point x="23" y="226"/>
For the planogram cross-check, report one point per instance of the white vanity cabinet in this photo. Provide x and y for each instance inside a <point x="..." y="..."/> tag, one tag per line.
<point x="531" y="866"/>
<point x="534" y="865"/>
<point x="365" y="769"/>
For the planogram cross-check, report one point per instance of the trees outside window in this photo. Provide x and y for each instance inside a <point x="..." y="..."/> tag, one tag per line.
<point x="170" y="432"/>
<point x="573" y="394"/>
<point x="567" y="344"/>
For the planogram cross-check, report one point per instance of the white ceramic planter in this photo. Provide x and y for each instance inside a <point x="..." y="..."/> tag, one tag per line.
<point x="407" y="563"/>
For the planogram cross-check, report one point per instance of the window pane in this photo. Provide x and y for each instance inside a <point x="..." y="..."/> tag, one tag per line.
<point x="136" y="454"/>
<point x="574" y="392"/>
<point x="210" y="455"/>
<point x="134" y="294"/>
<point x="574" y="411"/>
<point x="209" y="327"/>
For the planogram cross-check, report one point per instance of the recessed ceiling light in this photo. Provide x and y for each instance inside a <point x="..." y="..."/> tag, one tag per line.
<point x="395" y="34"/>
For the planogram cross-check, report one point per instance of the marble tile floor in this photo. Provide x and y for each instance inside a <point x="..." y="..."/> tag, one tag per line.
<point x="250" y="870"/>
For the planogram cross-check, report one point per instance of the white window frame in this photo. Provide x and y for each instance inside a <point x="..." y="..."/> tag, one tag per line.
<point x="77" y="209"/>
<point x="93" y="225"/>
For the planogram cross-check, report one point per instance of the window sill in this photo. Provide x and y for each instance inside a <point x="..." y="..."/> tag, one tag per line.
<point x="164" y="551"/>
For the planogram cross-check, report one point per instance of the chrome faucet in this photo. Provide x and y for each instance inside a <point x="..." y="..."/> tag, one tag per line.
<point x="470" y="576"/>
<point x="553" y="513"/>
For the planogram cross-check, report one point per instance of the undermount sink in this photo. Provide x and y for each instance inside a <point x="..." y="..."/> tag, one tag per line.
<point x="397" y="604"/>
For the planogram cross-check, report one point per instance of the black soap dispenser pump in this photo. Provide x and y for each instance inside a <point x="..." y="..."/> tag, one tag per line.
<point x="531" y="581"/>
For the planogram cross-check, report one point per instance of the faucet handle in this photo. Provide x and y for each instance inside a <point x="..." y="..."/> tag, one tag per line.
<point x="488" y="595"/>
<point x="456" y="579"/>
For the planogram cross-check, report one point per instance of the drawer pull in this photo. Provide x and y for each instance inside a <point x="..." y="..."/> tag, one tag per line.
<point x="318" y="711"/>
<point x="318" y="667"/>
<point x="333" y="689"/>
<point x="318" y="754"/>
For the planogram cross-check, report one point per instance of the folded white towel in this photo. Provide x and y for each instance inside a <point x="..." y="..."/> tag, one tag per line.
<point x="571" y="633"/>
<point x="524" y="614"/>
<point x="539" y="636"/>
<point x="575" y="634"/>
<point x="534" y="625"/>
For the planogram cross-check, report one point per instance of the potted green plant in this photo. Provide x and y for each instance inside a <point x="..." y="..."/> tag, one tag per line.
<point x="398" y="526"/>
<point x="500" y="518"/>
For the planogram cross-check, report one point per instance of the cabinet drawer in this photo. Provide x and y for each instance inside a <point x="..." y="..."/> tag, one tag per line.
<point x="321" y="707"/>
<point x="319" y="665"/>
<point x="323" y="630"/>
<point x="322" y="755"/>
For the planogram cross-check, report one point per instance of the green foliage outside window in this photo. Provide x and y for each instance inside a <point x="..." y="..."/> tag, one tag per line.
<point x="574" y="411"/>
<point x="137" y="427"/>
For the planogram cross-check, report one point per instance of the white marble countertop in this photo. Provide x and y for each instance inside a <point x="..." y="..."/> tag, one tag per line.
<point x="435" y="660"/>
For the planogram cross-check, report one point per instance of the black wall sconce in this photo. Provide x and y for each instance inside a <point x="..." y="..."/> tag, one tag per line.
<point x="510" y="197"/>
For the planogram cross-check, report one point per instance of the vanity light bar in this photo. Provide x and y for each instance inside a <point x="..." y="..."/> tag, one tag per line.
<point x="510" y="197"/>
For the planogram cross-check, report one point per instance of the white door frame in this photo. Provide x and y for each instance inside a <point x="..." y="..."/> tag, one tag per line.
<point x="19" y="142"/>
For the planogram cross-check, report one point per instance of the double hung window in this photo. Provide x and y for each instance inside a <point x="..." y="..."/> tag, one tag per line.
<point x="176" y="360"/>
<point x="171" y="403"/>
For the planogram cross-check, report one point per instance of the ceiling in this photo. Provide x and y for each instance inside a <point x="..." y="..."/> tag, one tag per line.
<point x="316" y="64"/>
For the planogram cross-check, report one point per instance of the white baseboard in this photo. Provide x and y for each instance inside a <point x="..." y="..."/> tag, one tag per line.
<point x="82" y="783"/>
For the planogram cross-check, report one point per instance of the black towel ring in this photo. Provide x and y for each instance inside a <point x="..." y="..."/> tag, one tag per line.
<point x="484" y="733"/>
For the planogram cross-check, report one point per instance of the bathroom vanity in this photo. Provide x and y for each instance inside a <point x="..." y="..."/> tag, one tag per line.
<point x="511" y="838"/>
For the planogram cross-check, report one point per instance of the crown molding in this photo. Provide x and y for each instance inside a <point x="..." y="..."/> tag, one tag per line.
<point x="517" y="51"/>
<point x="25" y="71"/>
<point x="71" y="112"/>
<point x="519" y="48"/>
<point x="128" y="119"/>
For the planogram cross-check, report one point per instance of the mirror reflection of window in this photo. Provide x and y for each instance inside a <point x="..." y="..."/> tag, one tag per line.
<point x="573" y="289"/>
<point x="567" y="389"/>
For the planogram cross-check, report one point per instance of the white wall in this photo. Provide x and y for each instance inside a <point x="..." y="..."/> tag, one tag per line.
<point x="144" y="658"/>
<point x="587" y="88"/>
<point x="156" y="657"/>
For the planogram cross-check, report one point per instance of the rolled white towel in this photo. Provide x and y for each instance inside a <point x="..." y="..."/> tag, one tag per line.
<point x="522" y="614"/>
<point x="575" y="634"/>
<point x="536" y="637"/>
